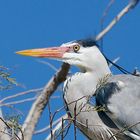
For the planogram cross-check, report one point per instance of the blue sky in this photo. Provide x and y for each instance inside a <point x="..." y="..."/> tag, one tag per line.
<point x="34" y="24"/>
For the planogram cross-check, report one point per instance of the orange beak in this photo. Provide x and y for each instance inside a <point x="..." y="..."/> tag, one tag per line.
<point x="54" y="52"/>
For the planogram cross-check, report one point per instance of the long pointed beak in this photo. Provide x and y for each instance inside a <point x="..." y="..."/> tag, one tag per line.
<point x="54" y="52"/>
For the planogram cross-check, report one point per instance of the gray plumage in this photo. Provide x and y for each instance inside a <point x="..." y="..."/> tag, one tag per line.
<point x="121" y="98"/>
<point x="96" y="125"/>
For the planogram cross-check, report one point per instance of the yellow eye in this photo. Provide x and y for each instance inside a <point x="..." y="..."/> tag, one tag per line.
<point x="76" y="48"/>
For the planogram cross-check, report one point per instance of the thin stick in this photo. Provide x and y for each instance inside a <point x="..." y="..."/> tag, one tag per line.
<point x="20" y="94"/>
<point x="24" y="101"/>
<point x="50" y="117"/>
<point x="62" y="134"/>
<point x="47" y="63"/>
<point x="103" y="19"/>
<point x="75" y="107"/>
<point x="22" y="138"/>
<point x="18" y="102"/>
<point x="57" y="129"/>
<point x="106" y="11"/>
<point x="54" y="123"/>
<point x="114" y="61"/>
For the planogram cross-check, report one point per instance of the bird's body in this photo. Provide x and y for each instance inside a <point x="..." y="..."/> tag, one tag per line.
<point x="88" y="119"/>
<point x="119" y="96"/>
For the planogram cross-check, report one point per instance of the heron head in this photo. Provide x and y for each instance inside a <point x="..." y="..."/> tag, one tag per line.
<point x="81" y="53"/>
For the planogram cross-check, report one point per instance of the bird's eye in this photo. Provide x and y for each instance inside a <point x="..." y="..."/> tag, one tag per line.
<point x="76" y="48"/>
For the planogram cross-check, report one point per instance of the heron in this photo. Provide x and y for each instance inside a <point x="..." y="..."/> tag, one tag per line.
<point x="114" y="113"/>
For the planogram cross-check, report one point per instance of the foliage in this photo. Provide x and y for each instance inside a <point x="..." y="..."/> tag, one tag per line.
<point x="6" y="81"/>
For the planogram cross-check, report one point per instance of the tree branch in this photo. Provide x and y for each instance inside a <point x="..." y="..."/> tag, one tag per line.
<point x="57" y="128"/>
<point x="3" y="128"/>
<point x="20" y="94"/>
<point x="41" y="102"/>
<point x="130" y="6"/>
<point x="53" y="124"/>
<point x="24" y="101"/>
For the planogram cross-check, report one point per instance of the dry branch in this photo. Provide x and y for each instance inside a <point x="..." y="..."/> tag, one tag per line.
<point x="47" y="63"/>
<point x="20" y="94"/>
<point x="41" y="102"/>
<point x="3" y="130"/>
<point x="24" y="101"/>
<point x="57" y="127"/>
<point x="54" y="123"/>
<point x="106" y="12"/>
<point x="130" y="6"/>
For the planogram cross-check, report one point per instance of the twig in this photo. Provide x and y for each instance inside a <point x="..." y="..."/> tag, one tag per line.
<point x="48" y="127"/>
<point x="8" y="126"/>
<point x="103" y="19"/>
<point x="58" y="110"/>
<point x="58" y="128"/>
<point x="62" y="134"/>
<point x="106" y="11"/>
<point x="47" y="63"/>
<point x="65" y="117"/>
<point x="75" y="112"/>
<point x="114" y="61"/>
<point x="124" y="129"/>
<point x="18" y="102"/>
<point x="68" y="128"/>
<point x="24" y="101"/>
<point x="20" y="94"/>
<point x="3" y="130"/>
<point x="50" y="117"/>
<point x="130" y="6"/>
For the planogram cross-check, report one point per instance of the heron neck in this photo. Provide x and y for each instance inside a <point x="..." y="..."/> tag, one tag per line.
<point x="92" y="80"/>
<point x="99" y="72"/>
<point x="84" y="83"/>
<point x="98" y="69"/>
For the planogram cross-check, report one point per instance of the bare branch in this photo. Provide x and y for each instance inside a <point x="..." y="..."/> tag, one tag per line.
<point x="20" y="94"/>
<point x="74" y="122"/>
<point x="57" y="127"/>
<point x="42" y="101"/>
<point x="50" y="117"/>
<point x="124" y="129"/>
<point x="3" y="128"/>
<point x="47" y="63"/>
<point x="13" y="135"/>
<point x="130" y="6"/>
<point x="24" y="101"/>
<point x="114" y="61"/>
<point x="48" y="127"/>
<point x="106" y="11"/>
<point x="19" y="101"/>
